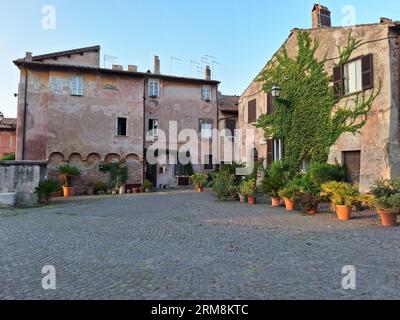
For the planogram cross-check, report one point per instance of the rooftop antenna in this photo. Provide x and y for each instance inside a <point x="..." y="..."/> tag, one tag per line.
<point x="191" y="66"/>
<point x="212" y="67"/>
<point x="108" y="58"/>
<point x="200" y="69"/>
<point x="172" y="59"/>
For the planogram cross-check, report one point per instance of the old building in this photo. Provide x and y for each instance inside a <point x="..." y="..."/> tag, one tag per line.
<point x="375" y="152"/>
<point x="70" y="110"/>
<point x="7" y="135"/>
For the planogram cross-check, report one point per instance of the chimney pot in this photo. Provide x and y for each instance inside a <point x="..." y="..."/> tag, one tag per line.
<point x="156" y="65"/>
<point x="117" y="67"/>
<point x="321" y="17"/>
<point x="208" y="73"/>
<point x="132" y="68"/>
<point x="28" y="56"/>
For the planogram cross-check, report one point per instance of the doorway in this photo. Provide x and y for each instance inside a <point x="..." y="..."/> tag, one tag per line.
<point x="352" y="162"/>
<point x="151" y="174"/>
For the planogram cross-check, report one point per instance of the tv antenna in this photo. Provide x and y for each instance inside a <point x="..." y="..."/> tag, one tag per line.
<point x="108" y="58"/>
<point x="173" y="59"/>
<point x="212" y="67"/>
<point x="191" y="66"/>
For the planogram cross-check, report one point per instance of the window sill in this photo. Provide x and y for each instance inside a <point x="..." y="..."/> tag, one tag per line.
<point x="120" y="137"/>
<point x="77" y="95"/>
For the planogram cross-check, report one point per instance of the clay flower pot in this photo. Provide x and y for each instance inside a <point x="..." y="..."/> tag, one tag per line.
<point x="68" y="192"/>
<point x="242" y="198"/>
<point x="343" y="212"/>
<point x="289" y="204"/>
<point x="199" y="189"/>
<point x="313" y="210"/>
<point x="276" y="202"/>
<point x="251" y="200"/>
<point x="388" y="218"/>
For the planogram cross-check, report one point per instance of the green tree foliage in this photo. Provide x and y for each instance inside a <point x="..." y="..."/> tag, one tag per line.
<point x="306" y="115"/>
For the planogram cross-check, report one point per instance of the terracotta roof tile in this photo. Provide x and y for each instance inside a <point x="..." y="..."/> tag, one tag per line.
<point x="8" y="123"/>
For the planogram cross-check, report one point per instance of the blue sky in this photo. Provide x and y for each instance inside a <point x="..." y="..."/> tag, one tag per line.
<point x="241" y="34"/>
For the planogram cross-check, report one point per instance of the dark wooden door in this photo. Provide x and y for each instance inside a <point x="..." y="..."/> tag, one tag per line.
<point x="151" y="174"/>
<point x="352" y="161"/>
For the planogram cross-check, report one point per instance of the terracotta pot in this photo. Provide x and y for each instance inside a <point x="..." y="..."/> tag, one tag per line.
<point x="289" y="204"/>
<point x="199" y="189"/>
<point x="134" y="190"/>
<point x="68" y="191"/>
<point x="251" y="200"/>
<point x="343" y="212"/>
<point x="90" y="191"/>
<point x="388" y="218"/>
<point x="276" y="202"/>
<point x="242" y="198"/>
<point x="56" y="194"/>
<point x="140" y="189"/>
<point x="312" y="210"/>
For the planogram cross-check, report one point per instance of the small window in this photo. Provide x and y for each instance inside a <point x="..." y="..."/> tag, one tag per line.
<point x="208" y="162"/>
<point x="252" y="111"/>
<point x="121" y="127"/>
<point x="206" y="126"/>
<point x="153" y="127"/>
<point x="352" y="73"/>
<point x="154" y="88"/>
<point x="77" y="86"/>
<point x="206" y="93"/>
<point x="278" y="152"/>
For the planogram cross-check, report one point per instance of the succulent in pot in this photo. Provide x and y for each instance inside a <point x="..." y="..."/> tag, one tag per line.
<point x="67" y="172"/>
<point x="199" y="180"/>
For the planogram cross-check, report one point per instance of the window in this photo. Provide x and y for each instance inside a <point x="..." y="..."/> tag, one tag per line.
<point x="252" y="111"/>
<point x="154" y="87"/>
<point x="352" y="75"/>
<point x="274" y="150"/>
<point x="121" y="127"/>
<point x="153" y="127"/>
<point x="206" y="126"/>
<point x="230" y="124"/>
<point x="208" y="162"/>
<point x="206" y="93"/>
<point x="277" y="149"/>
<point x="77" y="86"/>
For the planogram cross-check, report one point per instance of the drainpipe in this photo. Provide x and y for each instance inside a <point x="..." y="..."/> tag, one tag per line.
<point x="218" y="150"/>
<point x="25" y="107"/>
<point x="144" y="127"/>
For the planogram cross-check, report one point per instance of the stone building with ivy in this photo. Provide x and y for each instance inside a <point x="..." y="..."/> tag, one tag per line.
<point x="362" y="68"/>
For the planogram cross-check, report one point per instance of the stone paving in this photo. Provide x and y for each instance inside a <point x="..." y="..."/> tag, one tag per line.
<point x="189" y="246"/>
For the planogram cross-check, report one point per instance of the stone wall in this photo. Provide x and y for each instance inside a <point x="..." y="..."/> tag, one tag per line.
<point x="19" y="179"/>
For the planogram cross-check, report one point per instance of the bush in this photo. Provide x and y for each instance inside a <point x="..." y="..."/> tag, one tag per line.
<point x="321" y="173"/>
<point x="223" y="181"/>
<point x="248" y="188"/>
<point x="147" y="184"/>
<point x="8" y="157"/>
<point x="292" y="190"/>
<point x="341" y="193"/>
<point x="47" y="187"/>
<point x="275" y="179"/>
<point x="100" y="186"/>
<point x="387" y="194"/>
<point x="199" y="180"/>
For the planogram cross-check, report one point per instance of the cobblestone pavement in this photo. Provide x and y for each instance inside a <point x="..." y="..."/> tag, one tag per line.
<point x="188" y="246"/>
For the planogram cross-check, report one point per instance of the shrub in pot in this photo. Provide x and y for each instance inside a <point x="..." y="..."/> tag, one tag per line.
<point x="67" y="172"/>
<point x="100" y="187"/>
<point x="199" y="180"/>
<point x="222" y="182"/>
<point x="289" y="195"/>
<point x="46" y="188"/>
<point x="387" y="201"/>
<point x="343" y="195"/>
<point x="147" y="185"/>
<point x="248" y="189"/>
<point x="275" y="179"/>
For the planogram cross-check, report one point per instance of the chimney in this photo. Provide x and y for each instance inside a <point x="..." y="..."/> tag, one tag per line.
<point x="208" y="73"/>
<point x="28" y="56"/>
<point x="385" y="20"/>
<point x="117" y="67"/>
<point x="321" y="17"/>
<point x="132" y="68"/>
<point x="156" y="65"/>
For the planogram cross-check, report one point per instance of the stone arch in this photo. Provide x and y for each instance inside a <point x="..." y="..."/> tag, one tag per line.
<point x="112" y="157"/>
<point x="75" y="158"/>
<point x="132" y="157"/>
<point x="93" y="158"/>
<point x="56" y="159"/>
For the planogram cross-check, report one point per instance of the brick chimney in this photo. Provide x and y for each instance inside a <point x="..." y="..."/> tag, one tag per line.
<point x="156" y="65"/>
<point x="208" y="73"/>
<point x="117" y="67"/>
<point x="28" y="56"/>
<point x="132" y="68"/>
<point x="321" y="17"/>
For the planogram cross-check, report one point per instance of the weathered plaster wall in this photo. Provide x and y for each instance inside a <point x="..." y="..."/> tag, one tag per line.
<point x="7" y="142"/>
<point x="91" y="58"/>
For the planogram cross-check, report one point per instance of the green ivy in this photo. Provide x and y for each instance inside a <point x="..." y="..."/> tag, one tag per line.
<point x="306" y="115"/>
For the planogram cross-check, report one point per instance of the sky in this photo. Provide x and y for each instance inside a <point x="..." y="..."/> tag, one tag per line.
<point x="240" y="35"/>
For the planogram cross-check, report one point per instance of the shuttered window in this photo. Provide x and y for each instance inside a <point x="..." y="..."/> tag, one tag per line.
<point x="270" y="104"/>
<point x="77" y="86"/>
<point x="270" y="152"/>
<point x="355" y="76"/>
<point x="154" y="87"/>
<point x="252" y="111"/>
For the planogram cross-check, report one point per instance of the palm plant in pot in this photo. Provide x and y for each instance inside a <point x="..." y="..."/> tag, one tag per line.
<point x="290" y="194"/>
<point x="248" y="189"/>
<point x="199" y="181"/>
<point x="275" y="179"/>
<point x="387" y="201"/>
<point x="309" y="194"/>
<point x="67" y="172"/>
<point x="148" y="185"/>
<point x="343" y="195"/>
<point x="46" y="188"/>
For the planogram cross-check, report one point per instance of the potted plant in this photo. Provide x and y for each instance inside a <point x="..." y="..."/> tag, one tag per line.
<point x="387" y="201"/>
<point x="148" y="185"/>
<point x="100" y="187"/>
<point x="309" y="194"/>
<point x="234" y="191"/>
<point x="274" y="180"/>
<point x="310" y="202"/>
<point x="46" y="188"/>
<point x="67" y="172"/>
<point x="248" y="189"/>
<point x="200" y="181"/>
<point x="344" y="196"/>
<point x="289" y="195"/>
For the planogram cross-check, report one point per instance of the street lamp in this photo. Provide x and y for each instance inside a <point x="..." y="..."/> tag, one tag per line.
<point x="276" y="91"/>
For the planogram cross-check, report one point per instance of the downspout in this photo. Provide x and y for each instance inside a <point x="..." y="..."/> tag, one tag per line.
<point x="144" y="127"/>
<point x="25" y="110"/>
<point x="218" y="150"/>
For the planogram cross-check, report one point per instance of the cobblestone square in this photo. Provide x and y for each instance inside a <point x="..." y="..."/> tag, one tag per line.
<point x="189" y="246"/>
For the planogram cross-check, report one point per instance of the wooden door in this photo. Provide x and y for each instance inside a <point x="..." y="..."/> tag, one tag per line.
<point x="352" y="161"/>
